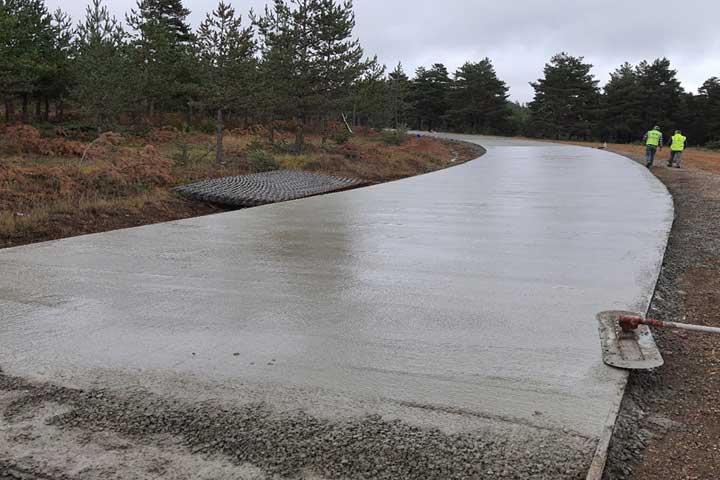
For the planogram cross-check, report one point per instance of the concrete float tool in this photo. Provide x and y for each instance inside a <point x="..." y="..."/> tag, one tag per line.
<point x="627" y="342"/>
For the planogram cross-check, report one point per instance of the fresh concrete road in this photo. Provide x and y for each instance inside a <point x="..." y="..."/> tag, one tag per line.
<point x="461" y="301"/>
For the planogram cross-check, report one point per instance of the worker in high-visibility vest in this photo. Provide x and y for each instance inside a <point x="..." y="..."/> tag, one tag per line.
<point x="653" y="142"/>
<point x="677" y="147"/>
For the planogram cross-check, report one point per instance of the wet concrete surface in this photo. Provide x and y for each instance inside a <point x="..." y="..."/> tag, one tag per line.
<point x="462" y="300"/>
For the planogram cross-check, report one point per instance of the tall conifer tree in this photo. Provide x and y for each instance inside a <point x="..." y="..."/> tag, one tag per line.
<point x="567" y="99"/>
<point x="225" y="50"/>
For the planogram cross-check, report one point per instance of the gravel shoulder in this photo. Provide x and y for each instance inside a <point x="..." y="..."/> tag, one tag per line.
<point x="669" y="425"/>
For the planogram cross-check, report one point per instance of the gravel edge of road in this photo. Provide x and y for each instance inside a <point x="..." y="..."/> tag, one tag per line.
<point x="645" y="417"/>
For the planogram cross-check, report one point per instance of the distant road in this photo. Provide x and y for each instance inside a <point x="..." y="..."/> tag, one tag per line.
<point x="461" y="301"/>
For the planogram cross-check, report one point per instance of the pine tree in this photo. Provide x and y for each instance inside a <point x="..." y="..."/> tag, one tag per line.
<point x="429" y="96"/>
<point x="661" y="95"/>
<point x="370" y="98"/>
<point x="161" y="53"/>
<point x="285" y="67"/>
<point x="339" y="59"/>
<point x="225" y="50"/>
<point x="310" y="60"/>
<point x="26" y="41"/>
<point x="169" y="15"/>
<point x="59" y="79"/>
<point x="399" y="90"/>
<point x="478" y="99"/>
<point x="622" y="106"/>
<point x="710" y="108"/>
<point x="101" y="65"/>
<point x="566" y="103"/>
<point x="697" y="123"/>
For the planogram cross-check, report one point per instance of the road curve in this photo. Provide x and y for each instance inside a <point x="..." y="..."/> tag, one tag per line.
<point x="453" y="308"/>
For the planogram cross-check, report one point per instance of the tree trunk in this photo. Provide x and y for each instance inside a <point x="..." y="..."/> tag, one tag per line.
<point x="9" y="109"/>
<point x="25" y="100"/>
<point x="60" y="110"/>
<point x="46" y="114"/>
<point x="323" y="129"/>
<point x="38" y="109"/>
<point x="299" y="134"/>
<point x="189" y="115"/>
<point x="219" y="153"/>
<point x="271" y="134"/>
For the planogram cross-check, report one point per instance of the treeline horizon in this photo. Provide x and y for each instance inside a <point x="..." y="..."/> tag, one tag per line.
<point x="297" y="65"/>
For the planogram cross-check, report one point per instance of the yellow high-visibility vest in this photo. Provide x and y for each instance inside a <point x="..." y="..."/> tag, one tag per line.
<point x="678" y="143"/>
<point x="653" y="137"/>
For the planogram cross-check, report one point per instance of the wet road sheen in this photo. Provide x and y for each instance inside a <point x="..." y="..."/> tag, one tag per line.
<point x="473" y="290"/>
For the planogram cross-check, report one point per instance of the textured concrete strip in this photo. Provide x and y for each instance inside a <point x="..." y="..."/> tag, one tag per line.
<point x="264" y="188"/>
<point x="460" y="302"/>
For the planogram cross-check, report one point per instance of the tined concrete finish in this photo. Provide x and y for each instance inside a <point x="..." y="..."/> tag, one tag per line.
<point x="461" y="301"/>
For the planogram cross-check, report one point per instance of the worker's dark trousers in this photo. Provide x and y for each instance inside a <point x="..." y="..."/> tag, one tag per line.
<point x="650" y="155"/>
<point x="676" y="158"/>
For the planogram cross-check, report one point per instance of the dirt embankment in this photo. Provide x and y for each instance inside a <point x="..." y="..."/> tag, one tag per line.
<point x="55" y="187"/>
<point x="669" y="426"/>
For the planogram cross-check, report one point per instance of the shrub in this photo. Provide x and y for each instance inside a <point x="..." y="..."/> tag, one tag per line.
<point x="26" y="139"/>
<point x="47" y="130"/>
<point x="291" y="161"/>
<point x="163" y="135"/>
<point x="313" y="165"/>
<point x="262" y="161"/>
<point x="341" y="137"/>
<point x="256" y="144"/>
<point x="208" y="128"/>
<point x="77" y="131"/>
<point x="394" y="137"/>
<point x="283" y="146"/>
<point x="351" y="152"/>
<point x="110" y="139"/>
<point x="139" y="129"/>
<point x="182" y="155"/>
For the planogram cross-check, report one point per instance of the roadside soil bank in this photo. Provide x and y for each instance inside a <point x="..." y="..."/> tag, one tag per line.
<point x="669" y="425"/>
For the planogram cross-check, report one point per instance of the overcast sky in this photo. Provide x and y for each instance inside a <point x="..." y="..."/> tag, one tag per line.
<point x="520" y="35"/>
